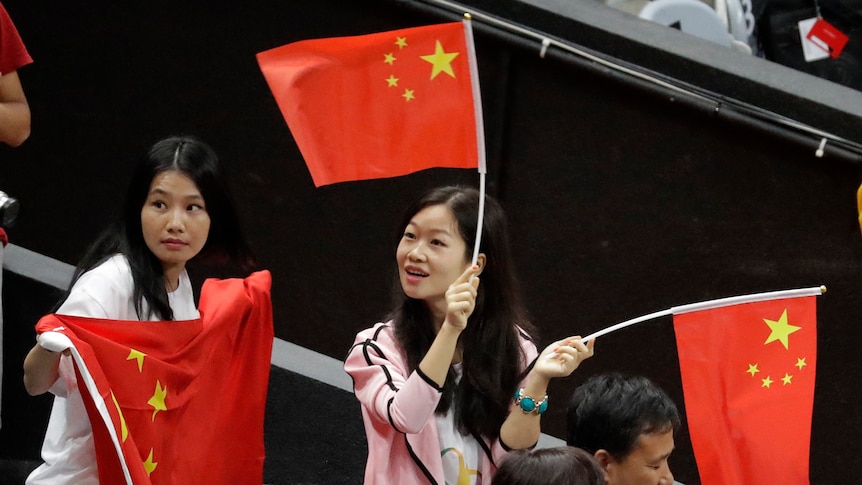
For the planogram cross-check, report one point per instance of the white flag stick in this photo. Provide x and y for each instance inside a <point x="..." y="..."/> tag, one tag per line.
<point x="477" y="94"/>
<point x="736" y="300"/>
<point x="481" y="218"/>
<point x="480" y="132"/>
<point x="710" y="304"/>
<point x="58" y="342"/>
<point x="625" y="324"/>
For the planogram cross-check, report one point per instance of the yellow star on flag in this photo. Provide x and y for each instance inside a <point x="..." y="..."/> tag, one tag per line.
<point x="388" y="59"/>
<point x="158" y="399"/>
<point x="767" y="382"/>
<point x="786" y="379"/>
<point x="752" y="369"/>
<point x="801" y="363"/>
<point x="441" y="61"/>
<point x="139" y="356"/>
<point x="124" y="430"/>
<point x="149" y="464"/>
<point x="408" y="94"/>
<point x="781" y="330"/>
<point x="392" y="81"/>
<point x="401" y="42"/>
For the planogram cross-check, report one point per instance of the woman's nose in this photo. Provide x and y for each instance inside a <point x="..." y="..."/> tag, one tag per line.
<point x="176" y="221"/>
<point x="417" y="253"/>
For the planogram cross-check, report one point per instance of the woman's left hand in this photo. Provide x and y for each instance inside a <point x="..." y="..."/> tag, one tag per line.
<point x="562" y="357"/>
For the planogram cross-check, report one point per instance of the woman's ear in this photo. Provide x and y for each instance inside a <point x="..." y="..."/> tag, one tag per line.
<point x="480" y="262"/>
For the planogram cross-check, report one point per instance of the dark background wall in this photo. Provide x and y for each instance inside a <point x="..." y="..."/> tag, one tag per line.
<point x="621" y="203"/>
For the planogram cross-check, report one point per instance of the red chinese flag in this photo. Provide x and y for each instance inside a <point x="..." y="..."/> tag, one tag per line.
<point x="378" y="105"/>
<point x="178" y="401"/>
<point x="748" y="380"/>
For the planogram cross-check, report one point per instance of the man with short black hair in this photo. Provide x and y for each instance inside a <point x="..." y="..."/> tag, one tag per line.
<point x="628" y="424"/>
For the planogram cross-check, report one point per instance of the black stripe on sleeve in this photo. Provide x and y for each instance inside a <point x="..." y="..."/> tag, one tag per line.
<point x="428" y="380"/>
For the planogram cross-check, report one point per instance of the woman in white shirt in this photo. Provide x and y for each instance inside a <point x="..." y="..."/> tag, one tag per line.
<point x="177" y="207"/>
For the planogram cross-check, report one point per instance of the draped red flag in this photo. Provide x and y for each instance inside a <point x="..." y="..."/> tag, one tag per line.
<point x="378" y="105"/>
<point x="178" y="401"/>
<point x="748" y="380"/>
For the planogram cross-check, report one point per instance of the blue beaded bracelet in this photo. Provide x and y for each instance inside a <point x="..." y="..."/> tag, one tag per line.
<point x="529" y="405"/>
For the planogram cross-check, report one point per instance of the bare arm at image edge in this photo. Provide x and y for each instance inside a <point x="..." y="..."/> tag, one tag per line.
<point x="14" y="110"/>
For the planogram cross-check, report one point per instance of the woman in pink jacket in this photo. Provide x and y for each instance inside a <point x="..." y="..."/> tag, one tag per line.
<point x="451" y="381"/>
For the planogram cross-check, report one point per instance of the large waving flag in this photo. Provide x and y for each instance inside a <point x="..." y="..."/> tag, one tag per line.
<point x="380" y="105"/>
<point x="748" y="379"/>
<point x="177" y="401"/>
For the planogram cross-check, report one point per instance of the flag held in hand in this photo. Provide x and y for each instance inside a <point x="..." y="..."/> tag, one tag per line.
<point x="175" y="402"/>
<point x="748" y="379"/>
<point x="378" y="105"/>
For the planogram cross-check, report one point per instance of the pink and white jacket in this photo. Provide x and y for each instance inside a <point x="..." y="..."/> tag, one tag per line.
<point x="398" y="412"/>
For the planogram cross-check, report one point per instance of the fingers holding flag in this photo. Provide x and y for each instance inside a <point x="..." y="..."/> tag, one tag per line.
<point x="461" y="298"/>
<point x="562" y="357"/>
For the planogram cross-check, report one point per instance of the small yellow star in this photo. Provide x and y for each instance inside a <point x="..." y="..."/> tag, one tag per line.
<point x="139" y="356"/>
<point x="158" y="399"/>
<point x="441" y="60"/>
<point x="767" y="382"/>
<point x="752" y="369"/>
<point x="781" y="330"/>
<point x="389" y="58"/>
<point x="801" y="363"/>
<point x="392" y="81"/>
<point x="149" y="464"/>
<point x="408" y="94"/>
<point x="786" y="379"/>
<point x="401" y="42"/>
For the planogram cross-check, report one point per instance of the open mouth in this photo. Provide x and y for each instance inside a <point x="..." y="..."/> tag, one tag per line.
<point x="416" y="273"/>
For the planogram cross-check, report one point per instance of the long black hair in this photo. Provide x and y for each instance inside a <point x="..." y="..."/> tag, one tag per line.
<point x="225" y="242"/>
<point x="493" y="362"/>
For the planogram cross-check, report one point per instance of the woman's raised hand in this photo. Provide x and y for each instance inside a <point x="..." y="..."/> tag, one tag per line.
<point x="461" y="299"/>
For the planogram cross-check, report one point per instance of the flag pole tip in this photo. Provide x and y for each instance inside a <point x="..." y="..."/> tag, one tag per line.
<point x="822" y="289"/>
<point x="467" y="16"/>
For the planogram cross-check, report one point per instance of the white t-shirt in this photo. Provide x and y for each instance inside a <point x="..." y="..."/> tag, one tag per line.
<point x="106" y="292"/>
<point x="461" y="454"/>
